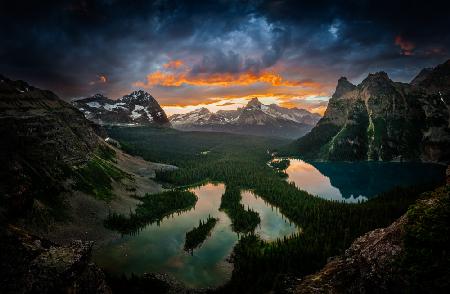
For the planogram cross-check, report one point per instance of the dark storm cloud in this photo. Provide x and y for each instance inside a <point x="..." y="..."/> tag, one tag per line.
<point x="365" y="33"/>
<point x="67" y="46"/>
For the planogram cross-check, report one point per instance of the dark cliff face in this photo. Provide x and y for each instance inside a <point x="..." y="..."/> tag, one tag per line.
<point x="384" y="120"/>
<point x="137" y="108"/>
<point x="42" y="136"/>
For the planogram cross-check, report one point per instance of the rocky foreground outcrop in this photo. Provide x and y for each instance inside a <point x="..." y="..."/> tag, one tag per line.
<point x="33" y="265"/>
<point x="365" y="266"/>
<point x="409" y="256"/>
<point x="380" y="119"/>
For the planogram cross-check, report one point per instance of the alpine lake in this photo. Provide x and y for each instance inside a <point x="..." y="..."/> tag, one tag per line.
<point x="159" y="247"/>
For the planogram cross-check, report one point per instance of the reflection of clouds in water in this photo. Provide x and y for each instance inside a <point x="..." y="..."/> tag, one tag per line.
<point x="207" y="197"/>
<point x="160" y="248"/>
<point x="308" y="178"/>
<point x="273" y="224"/>
<point x="300" y="166"/>
<point x="358" y="181"/>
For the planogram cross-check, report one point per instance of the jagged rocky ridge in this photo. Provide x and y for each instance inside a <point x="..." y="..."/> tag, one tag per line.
<point x="380" y="119"/>
<point x="137" y="108"/>
<point x="42" y="136"/>
<point x="255" y="118"/>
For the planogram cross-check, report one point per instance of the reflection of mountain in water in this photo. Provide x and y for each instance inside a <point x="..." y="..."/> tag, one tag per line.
<point x="371" y="178"/>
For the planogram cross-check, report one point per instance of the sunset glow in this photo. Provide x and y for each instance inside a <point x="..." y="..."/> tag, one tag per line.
<point x="210" y="53"/>
<point x="233" y="103"/>
<point x="170" y="79"/>
<point x="224" y="146"/>
<point x="268" y="85"/>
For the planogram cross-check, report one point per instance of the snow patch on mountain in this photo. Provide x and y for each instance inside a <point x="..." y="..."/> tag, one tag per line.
<point x="137" y="108"/>
<point x="94" y="104"/>
<point x="134" y="113"/>
<point x="111" y="107"/>
<point x="270" y="120"/>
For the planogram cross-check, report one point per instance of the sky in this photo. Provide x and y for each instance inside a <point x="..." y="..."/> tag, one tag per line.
<point x="218" y="54"/>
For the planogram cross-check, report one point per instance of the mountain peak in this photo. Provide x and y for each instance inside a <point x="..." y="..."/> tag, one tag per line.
<point x="18" y="86"/>
<point x="343" y="87"/>
<point x="378" y="79"/>
<point x="378" y="76"/>
<point x="202" y="110"/>
<point x="255" y="118"/>
<point x="138" y="95"/>
<point x="435" y="79"/>
<point x="138" y="107"/>
<point x="254" y="102"/>
<point x="378" y="103"/>
<point x="98" y="96"/>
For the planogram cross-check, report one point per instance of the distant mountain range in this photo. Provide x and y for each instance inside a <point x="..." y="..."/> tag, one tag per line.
<point x="137" y="108"/>
<point x="380" y="119"/>
<point x="140" y="108"/>
<point x="255" y="119"/>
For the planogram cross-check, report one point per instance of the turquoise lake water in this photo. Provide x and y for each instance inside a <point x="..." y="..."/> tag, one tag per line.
<point x="359" y="181"/>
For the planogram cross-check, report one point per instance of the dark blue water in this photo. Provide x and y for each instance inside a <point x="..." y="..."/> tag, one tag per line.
<point x="356" y="181"/>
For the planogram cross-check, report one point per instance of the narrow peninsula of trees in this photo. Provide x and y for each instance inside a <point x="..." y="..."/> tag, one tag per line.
<point x="153" y="208"/>
<point x="242" y="220"/>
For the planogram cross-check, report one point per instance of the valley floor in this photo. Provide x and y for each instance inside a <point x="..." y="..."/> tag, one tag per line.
<point x="328" y="228"/>
<point x="137" y="192"/>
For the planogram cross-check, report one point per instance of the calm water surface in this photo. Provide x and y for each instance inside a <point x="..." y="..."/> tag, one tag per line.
<point x="357" y="181"/>
<point x="273" y="224"/>
<point x="160" y="248"/>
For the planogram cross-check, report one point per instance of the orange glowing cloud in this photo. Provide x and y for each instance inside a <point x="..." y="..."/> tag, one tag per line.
<point x="406" y="46"/>
<point x="219" y="79"/>
<point x="299" y="98"/>
<point x="173" y="64"/>
<point x="230" y="103"/>
<point x="319" y="110"/>
<point x="185" y="77"/>
<point x="231" y="90"/>
<point x="318" y="107"/>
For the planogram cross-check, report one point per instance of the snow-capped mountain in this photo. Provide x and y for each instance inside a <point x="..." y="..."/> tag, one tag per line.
<point x="137" y="108"/>
<point x="255" y="118"/>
